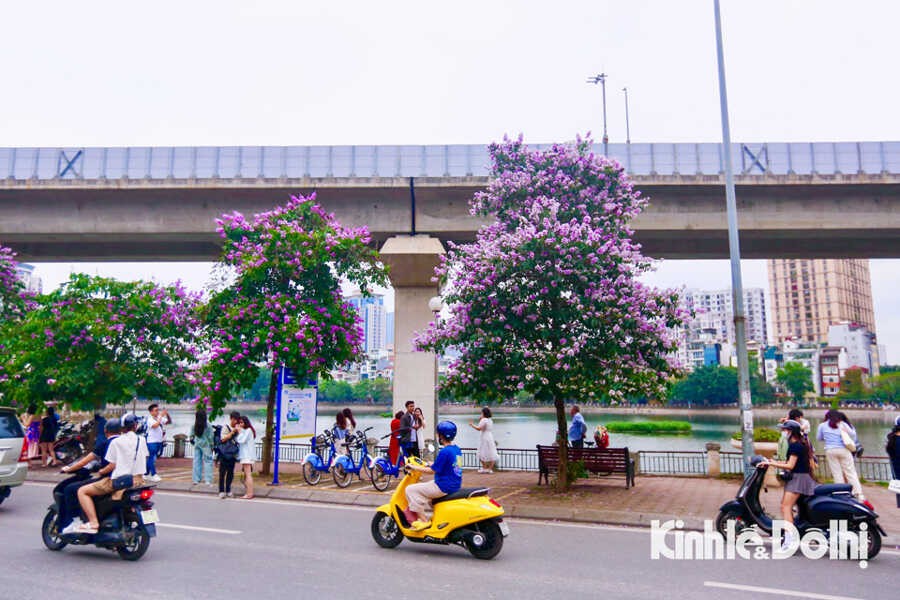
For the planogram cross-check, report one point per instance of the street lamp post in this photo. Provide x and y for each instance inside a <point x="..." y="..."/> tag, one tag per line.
<point x="601" y="79"/>
<point x="627" y="126"/>
<point x="734" y="251"/>
<point x="436" y="305"/>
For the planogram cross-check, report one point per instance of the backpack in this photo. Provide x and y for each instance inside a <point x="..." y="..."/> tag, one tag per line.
<point x="227" y="450"/>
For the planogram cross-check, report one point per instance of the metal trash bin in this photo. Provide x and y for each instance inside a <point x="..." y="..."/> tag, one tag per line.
<point x="179" y="444"/>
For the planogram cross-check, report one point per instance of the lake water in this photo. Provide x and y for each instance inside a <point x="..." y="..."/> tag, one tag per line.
<point x="524" y="429"/>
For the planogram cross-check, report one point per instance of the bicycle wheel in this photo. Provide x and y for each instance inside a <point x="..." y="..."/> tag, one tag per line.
<point x="311" y="475"/>
<point x="341" y="476"/>
<point x="380" y="480"/>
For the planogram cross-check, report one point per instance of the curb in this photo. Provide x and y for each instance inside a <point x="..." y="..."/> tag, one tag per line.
<point x="594" y="516"/>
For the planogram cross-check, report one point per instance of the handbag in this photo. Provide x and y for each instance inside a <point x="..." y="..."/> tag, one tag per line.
<point x="894" y="486"/>
<point x="847" y="440"/>
<point x="785" y="475"/>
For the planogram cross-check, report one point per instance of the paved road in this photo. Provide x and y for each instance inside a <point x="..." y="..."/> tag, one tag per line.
<point x="211" y="548"/>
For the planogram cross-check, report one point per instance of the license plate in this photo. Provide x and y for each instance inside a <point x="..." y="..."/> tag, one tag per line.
<point x="149" y="516"/>
<point x="504" y="528"/>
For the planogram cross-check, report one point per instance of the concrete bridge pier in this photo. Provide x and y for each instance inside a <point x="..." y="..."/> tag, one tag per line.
<point x="412" y="259"/>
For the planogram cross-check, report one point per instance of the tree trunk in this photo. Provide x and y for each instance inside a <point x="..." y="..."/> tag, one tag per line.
<point x="562" y="440"/>
<point x="268" y="441"/>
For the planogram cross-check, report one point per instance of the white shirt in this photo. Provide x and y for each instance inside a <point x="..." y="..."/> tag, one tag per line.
<point x="121" y="452"/>
<point x="154" y="434"/>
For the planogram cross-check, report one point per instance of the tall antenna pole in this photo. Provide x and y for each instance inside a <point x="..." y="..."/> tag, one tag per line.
<point x="734" y="251"/>
<point x="601" y="79"/>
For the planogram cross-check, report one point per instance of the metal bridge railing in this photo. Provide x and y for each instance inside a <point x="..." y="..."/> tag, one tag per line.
<point x="298" y="162"/>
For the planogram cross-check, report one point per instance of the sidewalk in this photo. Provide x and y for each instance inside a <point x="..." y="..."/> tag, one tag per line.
<point x="598" y="500"/>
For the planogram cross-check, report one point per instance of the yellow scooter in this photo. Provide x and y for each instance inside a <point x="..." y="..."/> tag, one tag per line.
<point x="468" y="517"/>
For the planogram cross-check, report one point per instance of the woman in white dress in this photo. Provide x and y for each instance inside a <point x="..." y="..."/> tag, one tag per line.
<point x="487" y="447"/>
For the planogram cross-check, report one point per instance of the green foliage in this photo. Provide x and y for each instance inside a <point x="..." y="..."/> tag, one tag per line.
<point x="715" y="386"/>
<point x="886" y="388"/>
<point x="97" y="340"/>
<point x="760" y="434"/>
<point x="796" y="379"/>
<point x="885" y="369"/>
<point x="576" y="470"/>
<point x="379" y="391"/>
<point x="649" y="427"/>
<point x="852" y="387"/>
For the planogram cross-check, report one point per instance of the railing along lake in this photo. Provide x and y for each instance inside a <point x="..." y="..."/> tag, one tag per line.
<point x="650" y="462"/>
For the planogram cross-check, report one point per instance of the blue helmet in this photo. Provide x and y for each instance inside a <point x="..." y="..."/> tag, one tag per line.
<point x="447" y="429"/>
<point x="113" y="426"/>
<point x="129" y="421"/>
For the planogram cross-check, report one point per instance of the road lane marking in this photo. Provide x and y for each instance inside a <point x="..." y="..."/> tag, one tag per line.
<point x="779" y="591"/>
<point x="195" y="528"/>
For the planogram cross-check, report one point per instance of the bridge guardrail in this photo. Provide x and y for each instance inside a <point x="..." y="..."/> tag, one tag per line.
<point x="298" y="162"/>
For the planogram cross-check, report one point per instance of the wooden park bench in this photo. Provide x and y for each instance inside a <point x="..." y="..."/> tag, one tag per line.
<point x="599" y="461"/>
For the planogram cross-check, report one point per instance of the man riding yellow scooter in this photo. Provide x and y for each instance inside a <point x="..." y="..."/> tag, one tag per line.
<point x="464" y="516"/>
<point x="447" y="478"/>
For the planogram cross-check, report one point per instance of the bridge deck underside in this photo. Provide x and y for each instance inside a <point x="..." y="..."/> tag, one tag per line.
<point x="168" y="222"/>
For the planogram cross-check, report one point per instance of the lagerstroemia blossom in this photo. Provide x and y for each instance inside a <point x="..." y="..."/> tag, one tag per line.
<point x="97" y="340"/>
<point x="547" y="299"/>
<point x="283" y="304"/>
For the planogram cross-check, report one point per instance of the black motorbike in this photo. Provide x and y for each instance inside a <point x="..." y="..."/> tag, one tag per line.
<point x="126" y="525"/>
<point x="832" y="501"/>
<point x="70" y="442"/>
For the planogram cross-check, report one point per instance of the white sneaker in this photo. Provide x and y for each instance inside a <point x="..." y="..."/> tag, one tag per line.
<point x="222" y="495"/>
<point x="70" y="528"/>
<point x="155" y="478"/>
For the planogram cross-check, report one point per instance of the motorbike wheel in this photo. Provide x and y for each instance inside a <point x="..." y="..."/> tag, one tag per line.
<point x="486" y="542"/>
<point x="341" y="476"/>
<point x="385" y="531"/>
<point x="138" y="544"/>
<point x="723" y="519"/>
<point x="50" y="533"/>
<point x="4" y="493"/>
<point x="311" y="475"/>
<point x="380" y="480"/>
<point x="874" y="540"/>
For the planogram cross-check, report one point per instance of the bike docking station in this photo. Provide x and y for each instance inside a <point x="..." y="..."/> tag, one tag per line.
<point x="296" y="411"/>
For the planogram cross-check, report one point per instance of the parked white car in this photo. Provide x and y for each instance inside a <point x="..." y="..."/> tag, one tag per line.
<point x="13" y="453"/>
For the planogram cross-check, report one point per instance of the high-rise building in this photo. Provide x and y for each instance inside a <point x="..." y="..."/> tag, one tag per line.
<point x="862" y="350"/>
<point x="32" y="282"/>
<point x="808" y="295"/>
<point x="713" y="310"/>
<point x="374" y="320"/>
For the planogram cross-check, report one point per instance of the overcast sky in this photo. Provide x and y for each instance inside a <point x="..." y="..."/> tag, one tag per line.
<point x="296" y="73"/>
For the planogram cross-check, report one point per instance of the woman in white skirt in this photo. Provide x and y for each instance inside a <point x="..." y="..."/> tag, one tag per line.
<point x="487" y="447"/>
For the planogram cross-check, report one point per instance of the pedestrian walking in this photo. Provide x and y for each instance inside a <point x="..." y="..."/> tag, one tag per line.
<point x="47" y="437"/>
<point x="31" y="422"/>
<point x="227" y="450"/>
<point x="202" y="438"/>
<point x="419" y="426"/>
<point x="246" y="439"/>
<point x="836" y="434"/>
<point x="893" y="451"/>
<point x="798" y="463"/>
<point x="156" y="433"/>
<point x="394" y="443"/>
<point x="578" y="428"/>
<point x="487" y="445"/>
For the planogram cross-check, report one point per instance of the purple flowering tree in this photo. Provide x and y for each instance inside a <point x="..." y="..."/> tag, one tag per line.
<point x="14" y="300"/>
<point x="282" y="301"/>
<point x="547" y="298"/>
<point x="96" y="340"/>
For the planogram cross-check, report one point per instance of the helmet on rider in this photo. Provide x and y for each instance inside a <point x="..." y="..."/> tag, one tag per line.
<point x="129" y="422"/>
<point x="447" y="430"/>
<point x="113" y="426"/>
<point x="793" y="426"/>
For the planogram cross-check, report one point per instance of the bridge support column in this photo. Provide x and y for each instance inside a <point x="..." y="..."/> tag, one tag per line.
<point x="412" y="260"/>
